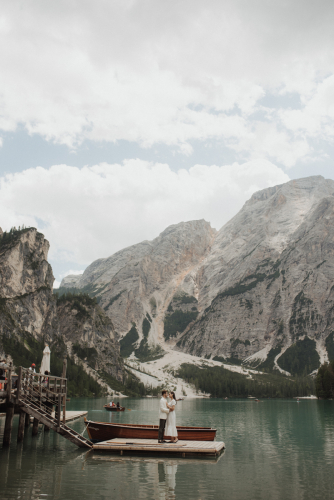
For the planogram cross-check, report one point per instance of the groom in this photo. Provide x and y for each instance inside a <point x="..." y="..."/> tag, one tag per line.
<point x="163" y="412"/>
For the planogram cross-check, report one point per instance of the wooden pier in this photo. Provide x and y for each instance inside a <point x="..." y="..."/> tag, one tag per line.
<point x="35" y="395"/>
<point x="151" y="446"/>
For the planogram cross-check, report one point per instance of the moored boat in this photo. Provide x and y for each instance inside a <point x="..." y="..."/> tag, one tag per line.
<point x="102" y="431"/>
<point x="114" y="408"/>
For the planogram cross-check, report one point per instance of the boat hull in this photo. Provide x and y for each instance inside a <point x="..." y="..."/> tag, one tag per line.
<point x="113" y="408"/>
<point x="104" y="431"/>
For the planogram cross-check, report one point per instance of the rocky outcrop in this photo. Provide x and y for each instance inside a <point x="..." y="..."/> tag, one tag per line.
<point x="90" y="334"/>
<point x="27" y="304"/>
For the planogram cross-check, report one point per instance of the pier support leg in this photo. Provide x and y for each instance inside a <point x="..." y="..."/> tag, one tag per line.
<point x="8" y="425"/>
<point x="27" y="422"/>
<point x="20" y="432"/>
<point x="46" y="428"/>
<point x="35" y="427"/>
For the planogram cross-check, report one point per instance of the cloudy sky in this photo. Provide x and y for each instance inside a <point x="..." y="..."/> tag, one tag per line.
<point x="120" y="117"/>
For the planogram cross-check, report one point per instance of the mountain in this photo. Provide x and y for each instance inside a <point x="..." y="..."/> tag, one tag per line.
<point x="258" y="291"/>
<point x="135" y="286"/>
<point x="31" y="316"/>
<point x="266" y="287"/>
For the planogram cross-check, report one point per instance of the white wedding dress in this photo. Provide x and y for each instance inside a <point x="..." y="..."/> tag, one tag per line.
<point x="170" y="429"/>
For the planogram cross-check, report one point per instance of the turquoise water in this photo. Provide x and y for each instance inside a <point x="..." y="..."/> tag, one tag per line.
<point x="275" y="449"/>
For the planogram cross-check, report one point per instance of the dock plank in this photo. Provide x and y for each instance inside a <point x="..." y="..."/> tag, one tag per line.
<point x="151" y="446"/>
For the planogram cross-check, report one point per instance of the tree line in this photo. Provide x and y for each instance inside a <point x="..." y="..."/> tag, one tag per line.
<point x="325" y="381"/>
<point x="220" y="382"/>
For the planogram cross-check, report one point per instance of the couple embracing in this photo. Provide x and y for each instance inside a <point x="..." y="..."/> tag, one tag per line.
<point x="167" y="418"/>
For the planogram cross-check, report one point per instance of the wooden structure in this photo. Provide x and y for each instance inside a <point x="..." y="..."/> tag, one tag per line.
<point x="102" y="431"/>
<point x="35" y="395"/>
<point x="181" y="448"/>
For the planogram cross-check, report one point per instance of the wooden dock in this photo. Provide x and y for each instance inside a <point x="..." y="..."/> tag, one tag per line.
<point x="34" y="396"/>
<point x="71" y="415"/>
<point x="181" y="448"/>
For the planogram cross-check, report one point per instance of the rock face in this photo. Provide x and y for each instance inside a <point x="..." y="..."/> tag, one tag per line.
<point x="28" y="307"/>
<point x="90" y="334"/>
<point x="268" y="280"/>
<point x="27" y="304"/>
<point x="143" y="279"/>
<point x="259" y="290"/>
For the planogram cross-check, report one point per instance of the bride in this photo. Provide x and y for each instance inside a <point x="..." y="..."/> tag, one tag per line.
<point x="171" y="419"/>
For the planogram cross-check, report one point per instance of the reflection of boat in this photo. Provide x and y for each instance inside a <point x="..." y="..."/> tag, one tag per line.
<point x="102" y="431"/>
<point x="114" y="408"/>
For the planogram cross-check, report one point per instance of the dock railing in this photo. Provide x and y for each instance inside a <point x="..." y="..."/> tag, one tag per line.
<point x="47" y="390"/>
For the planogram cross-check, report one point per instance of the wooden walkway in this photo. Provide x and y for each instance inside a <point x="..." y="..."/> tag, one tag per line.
<point x="183" y="448"/>
<point x="71" y="415"/>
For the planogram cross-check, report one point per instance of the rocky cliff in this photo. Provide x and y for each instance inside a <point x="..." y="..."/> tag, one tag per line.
<point x="89" y="334"/>
<point x="27" y="306"/>
<point x="135" y="286"/>
<point x="267" y="285"/>
<point x="258" y="291"/>
<point x="30" y="315"/>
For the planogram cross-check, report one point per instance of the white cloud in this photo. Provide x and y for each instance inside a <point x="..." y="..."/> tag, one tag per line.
<point x="93" y="212"/>
<point x="165" y="72"/>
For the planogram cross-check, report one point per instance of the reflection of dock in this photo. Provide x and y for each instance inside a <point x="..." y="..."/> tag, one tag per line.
<point x="181" y="448"/>
<point x="111" y="457"/>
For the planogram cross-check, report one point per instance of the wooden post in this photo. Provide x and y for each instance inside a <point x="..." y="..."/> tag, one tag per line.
<point x="19" y="385"/>
<point x="46" y="428"/>
<point x="9" y="384"/>
<point x="35" y="427"/>
<point x="27" y="422"/>
<point x="20" y="432"/>
<point x="40" y="390"/>
<point x="65" y="389"/>
<point x="58" y="410"/>
<point x="8" y="425"/>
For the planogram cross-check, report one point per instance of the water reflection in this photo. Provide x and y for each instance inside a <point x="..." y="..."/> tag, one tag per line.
<point x="275" y="450"/>
<point x="157" y="474"/>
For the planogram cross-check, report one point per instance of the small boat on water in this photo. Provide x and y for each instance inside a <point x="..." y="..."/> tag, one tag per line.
<point x="114" y="408"/>
<point x="102" y="431"/>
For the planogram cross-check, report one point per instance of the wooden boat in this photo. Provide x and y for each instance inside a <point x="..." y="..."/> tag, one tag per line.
<point x="114" y="408"/>
<point x="102" y="431"/>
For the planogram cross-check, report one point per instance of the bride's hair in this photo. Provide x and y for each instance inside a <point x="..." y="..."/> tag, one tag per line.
<point x="171" y="392"/>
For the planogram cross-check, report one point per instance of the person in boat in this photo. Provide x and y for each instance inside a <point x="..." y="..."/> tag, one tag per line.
<point x="118" y="405"/>
<point x="170" y="429"/>
<point x="163" y="412"/>
<point x="112" y="403"/>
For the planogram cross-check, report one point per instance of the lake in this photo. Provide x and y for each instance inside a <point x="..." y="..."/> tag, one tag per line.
<point x="275" y="449"/>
